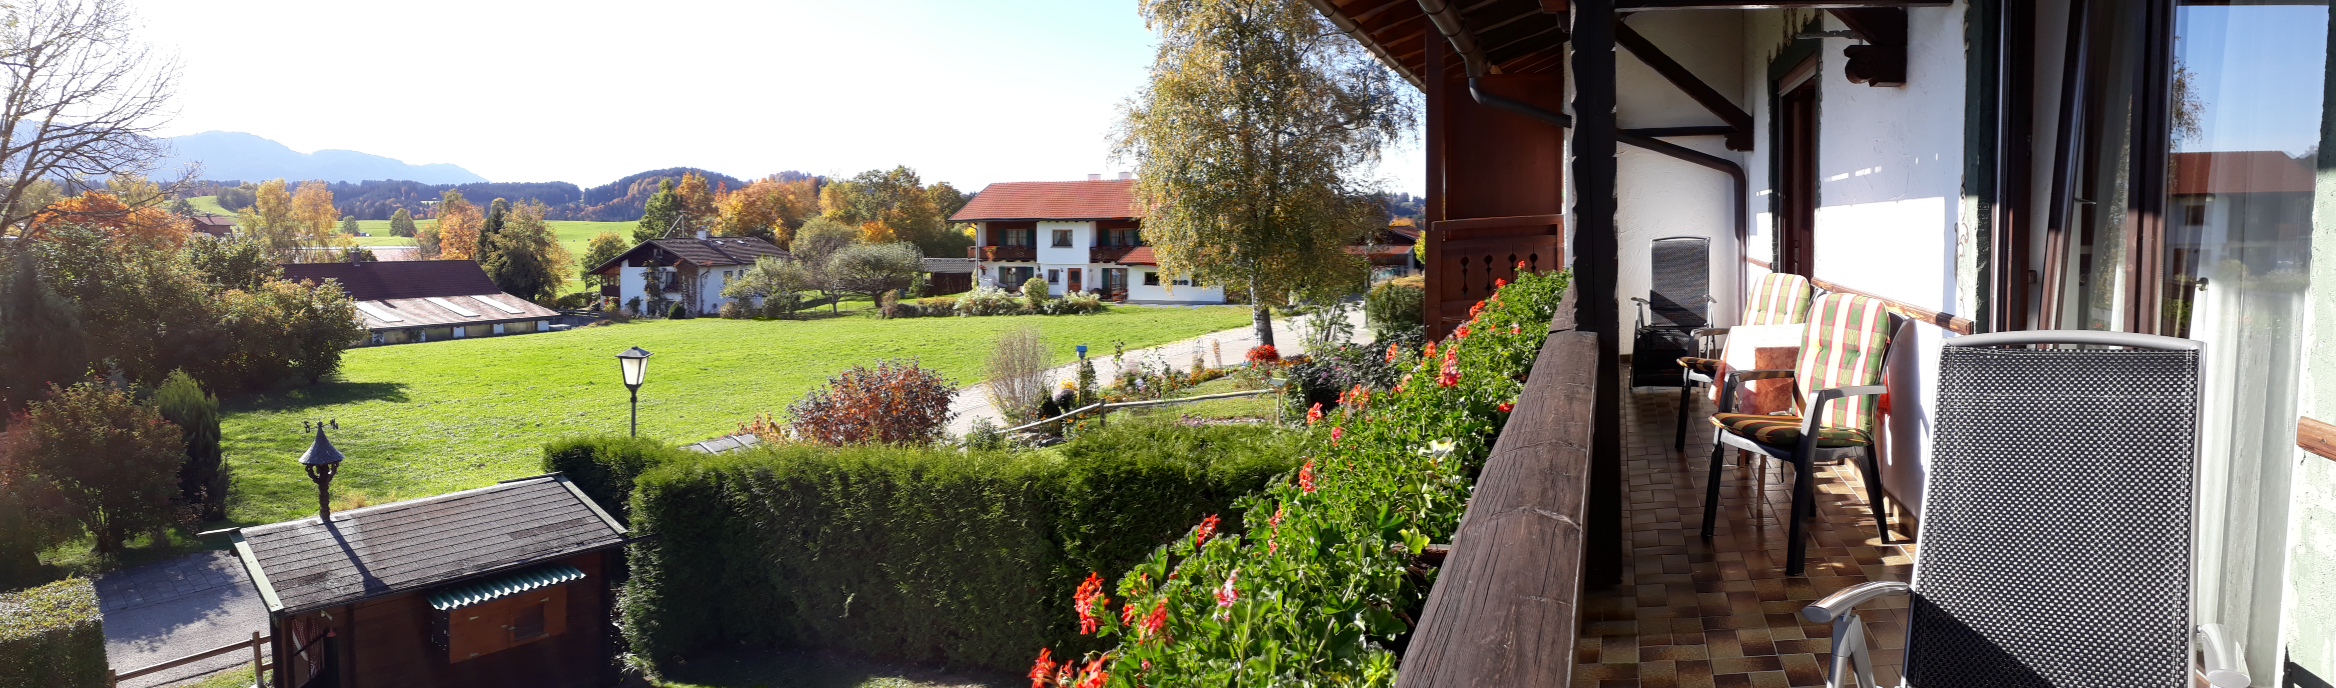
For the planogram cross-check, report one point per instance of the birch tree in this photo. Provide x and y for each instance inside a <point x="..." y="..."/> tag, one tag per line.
<point x="83" y="101"/>
<point x="1252" y="140"/>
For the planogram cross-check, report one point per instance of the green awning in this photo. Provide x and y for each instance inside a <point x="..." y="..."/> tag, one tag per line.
<point x="504" y="585"/>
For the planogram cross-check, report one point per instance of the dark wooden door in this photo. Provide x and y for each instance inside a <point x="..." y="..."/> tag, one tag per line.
<point x="1796" y="236"/>
<point x="1075" y="285"/>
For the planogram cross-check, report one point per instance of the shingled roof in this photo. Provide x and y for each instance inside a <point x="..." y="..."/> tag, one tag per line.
<point x="709" y="252"/>
<point x="405" y="279"/>
<point x="303" y="565"/>
<point x="1110" y="199"/>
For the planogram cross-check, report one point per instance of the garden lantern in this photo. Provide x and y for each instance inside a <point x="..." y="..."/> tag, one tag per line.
<point x="634" y="363"/>
<point x="322" y="462"/>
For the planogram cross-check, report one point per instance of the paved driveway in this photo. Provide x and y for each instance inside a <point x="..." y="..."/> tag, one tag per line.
<point x="172" y="609"/>
<point x="973" y="403"/>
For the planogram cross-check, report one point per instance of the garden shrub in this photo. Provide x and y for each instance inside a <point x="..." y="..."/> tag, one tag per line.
<point x="987" y="301"/>
<point x="935" y="306"/>
<point x="914" y="554"/>
<point x="1317" y="590"/>
<point x="731" y="311"/>
<point x="897" y="402"/>
<point x="52" y="637"/>
<point x="202" y="478"/>
<point x="1395" y="308"/>
<point x="1327" y="375"/>
<point x="604" y="466"/>
<point x="1034" y="293"/>
<point x="677" y="312"/>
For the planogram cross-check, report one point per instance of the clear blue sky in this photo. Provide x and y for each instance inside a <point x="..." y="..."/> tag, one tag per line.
<point x="586" y="91"/>
<point x="2259" y="73"/>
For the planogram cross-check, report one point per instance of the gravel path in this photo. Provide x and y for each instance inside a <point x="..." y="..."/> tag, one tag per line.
<point x="172" y="609"/>
<point x="973" y="403"/>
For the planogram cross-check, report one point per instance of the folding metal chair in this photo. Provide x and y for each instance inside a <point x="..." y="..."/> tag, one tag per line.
<point x="2056" y="523"/>
<point x="1677" y="303"/>
<point x="1837" y="380"/>
<point x="1777" y="299"/>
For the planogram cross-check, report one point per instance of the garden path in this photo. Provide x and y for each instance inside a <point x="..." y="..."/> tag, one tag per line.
<point x="175" y="608"/>
<point x="973" y="403"/>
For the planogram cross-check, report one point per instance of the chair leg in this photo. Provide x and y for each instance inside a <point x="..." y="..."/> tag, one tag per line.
<point x="1804" y="495"/>
<point x="1711" y="492"/>
<point x="1874" y="497"/>
<point x="1686" y="401"/>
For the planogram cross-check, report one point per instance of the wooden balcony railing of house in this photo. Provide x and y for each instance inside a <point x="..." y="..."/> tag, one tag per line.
<point x="1002" y="253"/>
<point x="1505" y="607"/>
<point x="1108" y="254"/>
<point x="1466" y="257"/>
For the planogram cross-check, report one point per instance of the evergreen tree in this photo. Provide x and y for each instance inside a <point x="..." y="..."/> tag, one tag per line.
<point x="349" y="225"/>
<point x="496" y="214"/>
<point x="40" y="335"/>
<point x="401" y="223"/>
<point x="202" y="480"/>
<point x="658" y="217"/>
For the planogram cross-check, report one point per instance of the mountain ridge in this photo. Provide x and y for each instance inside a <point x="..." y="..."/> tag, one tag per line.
<point x="238" y="155"/>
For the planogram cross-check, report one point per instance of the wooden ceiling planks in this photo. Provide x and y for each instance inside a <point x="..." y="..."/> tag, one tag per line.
<point x="1520" y="36"/>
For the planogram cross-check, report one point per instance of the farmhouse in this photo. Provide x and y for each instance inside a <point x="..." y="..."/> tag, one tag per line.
<point x="213" y="224"/>
<point x="1080" y="236"/>
<point x="499" y="586"/>
<point x="427" y="300"/>
<point x="653" y="276"/>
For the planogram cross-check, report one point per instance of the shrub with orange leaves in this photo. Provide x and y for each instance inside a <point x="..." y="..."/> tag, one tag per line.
<point x="150" y="227"/>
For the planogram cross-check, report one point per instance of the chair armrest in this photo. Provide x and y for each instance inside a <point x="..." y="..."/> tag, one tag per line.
<point x="1642" y="300"/>
<point x="1846" y="599"/>
<point x="1758" y="375"/>
<point x="1707" y="331"/>
<point x="1814" y="416"/>
<point x="2224" y="664"/>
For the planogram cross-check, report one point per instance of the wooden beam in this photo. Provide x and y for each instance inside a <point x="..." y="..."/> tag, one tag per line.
<point x="2316" y="437"/>
<point x="1639" y="5"/>
<point x="1710" y="98"/>
<point x="1882" y="60"/>
<point x="1596" y="261"/>
<point x="1657" y="132"/>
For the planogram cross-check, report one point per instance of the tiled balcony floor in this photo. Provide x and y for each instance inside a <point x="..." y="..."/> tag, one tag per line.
<point x="1696" y="614"/>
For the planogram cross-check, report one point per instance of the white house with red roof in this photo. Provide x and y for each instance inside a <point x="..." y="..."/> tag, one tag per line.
<point x="1079" y="236"/>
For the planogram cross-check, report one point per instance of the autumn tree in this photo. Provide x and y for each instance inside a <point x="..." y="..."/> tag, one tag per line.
<point x="658" y="215"/>
<point x="528" y="261"/>
<point x="768" y="208"/>
<point x="317" y="219"/>
<point x="604" y="247"/>
<point x="894" y="205"/>
<point x="459" y="224"/>
<point x="270" y="218"/>
<point x="401" y="223"/>
<point x="873" y="269"/>
<point x="149" y="226"/>
<point x="1249" y="140"/>
<point x="698" y="206"/>
<point x="114" y="459"/>
<point x="85" y="98"/>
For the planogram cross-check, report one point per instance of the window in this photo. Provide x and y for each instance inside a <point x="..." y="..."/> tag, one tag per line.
<point x="1151" y="279"/>
<point x="527" y="624"/>
<point x="497" y="625"/>
<point x="1062" y="238"/>
<point x="1182" y="283"/>
<point x="1054" y="277"/>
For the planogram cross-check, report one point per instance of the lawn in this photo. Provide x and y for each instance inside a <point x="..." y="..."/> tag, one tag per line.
<point x="209" y="204"/>
<point x="424" y="419"/>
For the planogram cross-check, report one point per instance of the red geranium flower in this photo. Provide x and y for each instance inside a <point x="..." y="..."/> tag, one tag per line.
<point x="1264" y="354"/>
<point x="1499" y="283"/>
<point x="1451" y="374"/>
<point x="1431" y="351"/>
<point x="1089" y="596"/>
<point x="1314" y="415"/>
<point x="1520" y="266"/>
<point x="1208" y="528"/>
<point x="1305" y="482"/>
<point x="1390" y="353"/>
<point x="1228" y="594"/>
<point x="1505" y="408"/>
<point x="1462" y="332"/>
<point x="1336" y="434"/>
<point x="1042" y="673"/>
<point x="1094" y="676"/>
<point x="1158" y="621"/>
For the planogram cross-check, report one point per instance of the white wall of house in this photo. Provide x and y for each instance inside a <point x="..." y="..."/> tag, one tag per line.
<point x="1167" y="291"/>
<point x="1657" y="196"/>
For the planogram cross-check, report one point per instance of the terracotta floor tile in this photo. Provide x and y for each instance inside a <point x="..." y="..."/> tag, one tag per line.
<point x="1696" y="613"/>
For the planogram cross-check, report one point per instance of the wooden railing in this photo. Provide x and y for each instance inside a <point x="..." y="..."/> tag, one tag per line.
<point x="1466" y="258"/>
<point x="259" y="662"/>
<point x="1108" y="254"/>
<point x="1002" y="253"/>
<point x="1505" y="607"/>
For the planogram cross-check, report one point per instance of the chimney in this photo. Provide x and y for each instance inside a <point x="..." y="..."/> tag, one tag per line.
<point x="1094" y="177"/>
<point x="704" y="234"/>
<point x="1124" y="176"/>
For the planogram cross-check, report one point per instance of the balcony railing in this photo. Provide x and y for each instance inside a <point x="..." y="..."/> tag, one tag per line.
<point x="1505" y="609"/>
<point x="1108" y="254"/>
<point x="1465" y="258"/>
<point x="994" y="254"/>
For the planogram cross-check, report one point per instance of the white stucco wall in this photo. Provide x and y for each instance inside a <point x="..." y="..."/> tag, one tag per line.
<point x="1168" y="292"/>
<point x="1657" y="196"/>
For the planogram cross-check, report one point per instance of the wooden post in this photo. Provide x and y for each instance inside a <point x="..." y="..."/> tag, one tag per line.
<point x="1595" y="263"/>
<point x="257" y="678"/>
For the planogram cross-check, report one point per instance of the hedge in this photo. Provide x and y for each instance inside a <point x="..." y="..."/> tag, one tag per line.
<point x="604" y="466"/>
<point x="917" y="555"/>
<point x="51" y="636"/>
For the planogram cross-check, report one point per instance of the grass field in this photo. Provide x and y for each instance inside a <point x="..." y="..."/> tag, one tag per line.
<point x="423" y="419"/>
<point x="209" y="204"/>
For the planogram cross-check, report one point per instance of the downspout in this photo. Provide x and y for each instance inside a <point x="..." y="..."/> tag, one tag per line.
<point x="1447" y="22"/>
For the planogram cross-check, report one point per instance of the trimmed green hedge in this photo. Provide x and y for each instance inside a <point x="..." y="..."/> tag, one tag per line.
<point x="604" y="466"/>
<point x="920" y="555"/>
<point x="52" y="637"/>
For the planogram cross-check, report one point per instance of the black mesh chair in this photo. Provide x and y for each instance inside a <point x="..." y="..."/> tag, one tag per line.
<point x="2056" y="523"/>
<point x="1678" y="302"/>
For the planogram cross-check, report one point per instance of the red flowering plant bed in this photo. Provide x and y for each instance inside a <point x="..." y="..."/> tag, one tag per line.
<point x="1318" y="588"/>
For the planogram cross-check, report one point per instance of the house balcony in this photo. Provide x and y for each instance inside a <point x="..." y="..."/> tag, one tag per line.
<point x="1109" y="254"/>
<point x="1002" y="254"/>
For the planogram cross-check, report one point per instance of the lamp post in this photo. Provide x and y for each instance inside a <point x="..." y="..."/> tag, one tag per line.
<point x="322" y="461"/>
<point x="634" y="363"/>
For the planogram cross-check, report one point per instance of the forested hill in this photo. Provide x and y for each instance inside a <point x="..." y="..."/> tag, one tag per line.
<point x="619" y="200"/>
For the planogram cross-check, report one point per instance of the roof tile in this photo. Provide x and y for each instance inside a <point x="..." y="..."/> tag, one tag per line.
<point x="1091" y="200"/>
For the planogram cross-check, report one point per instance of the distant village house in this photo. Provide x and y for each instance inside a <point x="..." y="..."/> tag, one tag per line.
<point x="427" y="300"/>
<point x="1080" y="236"/>
<point x="653" y="276"/>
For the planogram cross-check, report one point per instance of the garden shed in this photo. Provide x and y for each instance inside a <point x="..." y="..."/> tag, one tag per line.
<point x="498" y="586"/>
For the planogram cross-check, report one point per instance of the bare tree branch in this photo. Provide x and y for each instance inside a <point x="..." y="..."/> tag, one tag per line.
<point x="84" y="99"/>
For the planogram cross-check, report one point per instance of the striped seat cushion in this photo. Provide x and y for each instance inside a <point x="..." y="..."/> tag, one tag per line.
<point x="1785" y="431"/>
<point x="1778" y="299"/>
<point x="1701" y="365"/>
<point x="1843" y="347"/>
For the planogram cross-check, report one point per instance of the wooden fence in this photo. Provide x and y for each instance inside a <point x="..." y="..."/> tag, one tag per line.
<point x="1505" y="607"/>
<point x="259" y="661"/>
